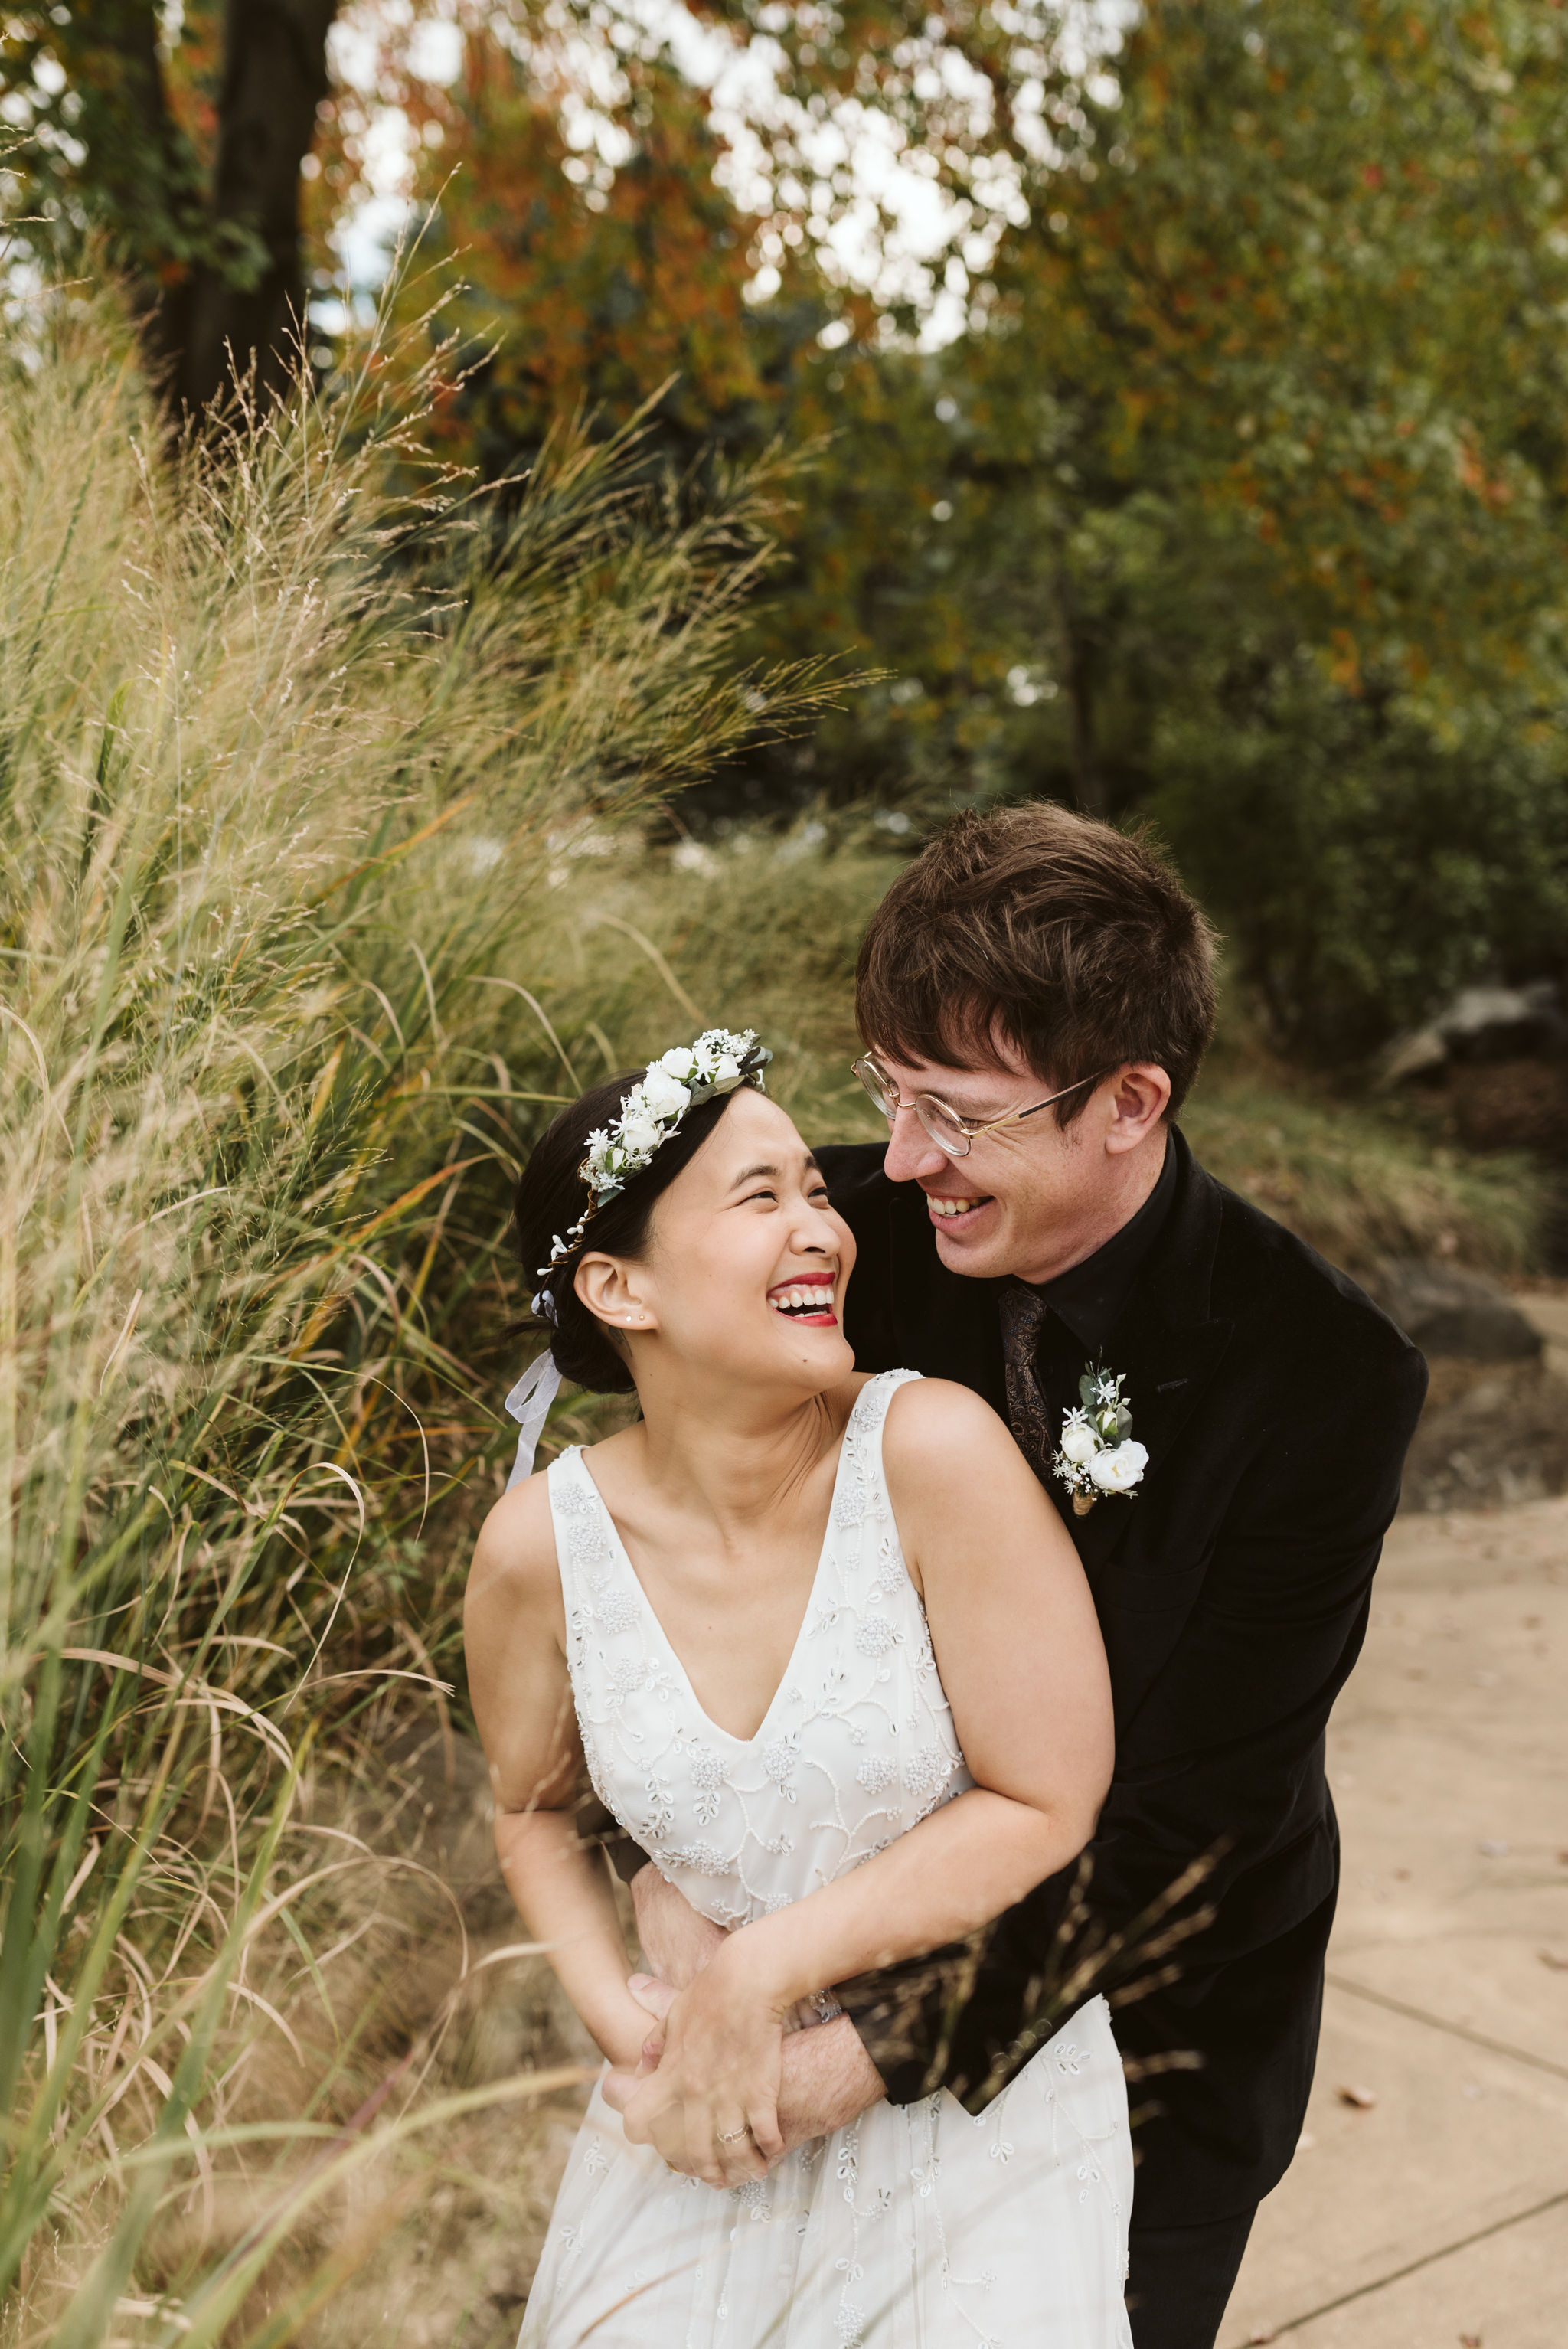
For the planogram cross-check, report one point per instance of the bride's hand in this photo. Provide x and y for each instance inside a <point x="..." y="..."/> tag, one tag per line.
<point x="711" y="2108"/>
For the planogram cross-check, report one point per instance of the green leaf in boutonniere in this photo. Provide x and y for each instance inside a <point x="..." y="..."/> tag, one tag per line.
<point x="1097" y="1455"/>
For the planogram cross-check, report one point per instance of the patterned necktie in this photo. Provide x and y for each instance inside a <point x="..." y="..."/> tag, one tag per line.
<point x="1023" y="1312"/>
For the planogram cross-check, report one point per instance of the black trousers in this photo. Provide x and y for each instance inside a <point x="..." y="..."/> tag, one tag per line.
<point x="1180" y="2279"/>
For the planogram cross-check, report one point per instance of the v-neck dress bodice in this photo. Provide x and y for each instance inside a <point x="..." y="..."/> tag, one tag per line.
<point x="916" y="2227"/>
<point x="856" y="1746"/>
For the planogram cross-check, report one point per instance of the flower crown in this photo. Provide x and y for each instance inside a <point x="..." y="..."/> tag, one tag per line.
<point x="678" y="1080"/>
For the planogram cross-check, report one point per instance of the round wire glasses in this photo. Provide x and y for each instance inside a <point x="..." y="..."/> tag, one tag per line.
<point x="950" y="1131"/>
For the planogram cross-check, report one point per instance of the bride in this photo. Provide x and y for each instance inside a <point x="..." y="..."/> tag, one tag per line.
<point x="829" y="1657"/>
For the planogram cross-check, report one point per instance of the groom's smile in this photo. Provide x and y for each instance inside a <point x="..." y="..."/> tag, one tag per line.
<point x="956" y="1214"/>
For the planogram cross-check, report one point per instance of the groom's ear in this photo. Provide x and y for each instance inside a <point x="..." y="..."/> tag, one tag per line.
<point x="1138" y="1095"/>
<point x="612" y="1290"/>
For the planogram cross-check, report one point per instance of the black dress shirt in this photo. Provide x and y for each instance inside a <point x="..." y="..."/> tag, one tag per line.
<point x="1088" y="1297"/>
<point x="1086" y="1303"/>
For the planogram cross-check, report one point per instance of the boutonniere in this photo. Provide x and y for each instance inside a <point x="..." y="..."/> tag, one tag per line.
<point x="1097" y="1453"/>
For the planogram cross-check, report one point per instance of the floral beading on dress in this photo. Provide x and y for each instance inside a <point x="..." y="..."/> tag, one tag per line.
<point x="856" y="1747"/>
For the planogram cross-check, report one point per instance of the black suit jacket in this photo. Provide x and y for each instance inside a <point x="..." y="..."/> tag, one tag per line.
<point x="1276" y="1403"/>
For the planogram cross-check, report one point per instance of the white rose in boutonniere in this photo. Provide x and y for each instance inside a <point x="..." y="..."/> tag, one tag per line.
<point x="1079" y="1441"/>
<point x="1118" y="1471"/>
<point x="1096" y="1455"/>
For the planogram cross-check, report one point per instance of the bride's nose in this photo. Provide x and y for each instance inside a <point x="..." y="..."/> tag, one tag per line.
<point x="810" y="1234"/>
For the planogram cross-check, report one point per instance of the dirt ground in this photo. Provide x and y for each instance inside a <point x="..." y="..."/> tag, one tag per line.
<point x="1431" y="2209"/>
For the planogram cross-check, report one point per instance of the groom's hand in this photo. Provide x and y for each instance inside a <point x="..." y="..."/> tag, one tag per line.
<point x="676" y="1941"/>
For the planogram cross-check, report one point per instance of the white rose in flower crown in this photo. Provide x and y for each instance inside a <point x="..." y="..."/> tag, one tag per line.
<point x="664" y="1095"/>
<point x="1119" y="1471"/>
<point x="640" y="1136"/>
<point x="726" y="1068"/>
<point x="679" y="1062"/>
<point x="1079" y="1443"/>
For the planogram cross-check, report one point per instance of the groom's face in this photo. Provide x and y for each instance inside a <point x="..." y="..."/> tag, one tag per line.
<point x="1030" y="1199"/>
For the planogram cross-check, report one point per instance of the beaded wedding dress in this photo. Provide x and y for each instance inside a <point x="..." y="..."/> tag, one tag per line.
<point x="916" y="2227"/>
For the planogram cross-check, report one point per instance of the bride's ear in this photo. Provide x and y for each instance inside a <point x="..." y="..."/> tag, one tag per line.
<point x="615" y="1292"/>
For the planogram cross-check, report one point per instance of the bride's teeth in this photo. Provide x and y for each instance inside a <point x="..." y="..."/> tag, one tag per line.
<point x="788" y="1300"/>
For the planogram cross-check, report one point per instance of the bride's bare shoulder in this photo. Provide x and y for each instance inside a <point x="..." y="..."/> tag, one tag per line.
<point x="942" y="1442"/>
<point x="938" y="1419"/>
<point x="514" y="1564"/>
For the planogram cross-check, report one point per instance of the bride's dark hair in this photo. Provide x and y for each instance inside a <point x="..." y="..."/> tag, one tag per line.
<point x="551" y="1197"/>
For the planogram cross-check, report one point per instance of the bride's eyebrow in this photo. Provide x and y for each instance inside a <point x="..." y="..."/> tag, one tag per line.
<point x="751" y="1174"/>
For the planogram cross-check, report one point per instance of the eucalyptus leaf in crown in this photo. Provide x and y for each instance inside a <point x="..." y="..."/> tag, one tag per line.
<point x="679" y="1080"/>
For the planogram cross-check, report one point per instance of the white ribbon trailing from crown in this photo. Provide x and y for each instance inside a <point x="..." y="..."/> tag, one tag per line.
<point x="528" y="1403"/>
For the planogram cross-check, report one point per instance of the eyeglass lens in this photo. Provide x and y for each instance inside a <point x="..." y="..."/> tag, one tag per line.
<point x="938" y="1121"/>
<point x="883" y="1095"/>
<point x="940" y="1124"/>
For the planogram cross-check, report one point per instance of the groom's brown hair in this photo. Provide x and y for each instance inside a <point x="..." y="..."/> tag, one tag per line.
<point x="1076" y="943"/>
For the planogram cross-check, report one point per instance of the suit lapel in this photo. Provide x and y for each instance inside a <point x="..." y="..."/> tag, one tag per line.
<point x="1168" y="1344"/>
<point x="1166" y="1372"/>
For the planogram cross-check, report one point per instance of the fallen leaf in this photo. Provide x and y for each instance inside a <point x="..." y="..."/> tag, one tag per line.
<point x="1262" y="2333"/>
<point x="1470" y="2341"/>
<point x="1550" y="1958"/>
<point x="1362" y="2098"/>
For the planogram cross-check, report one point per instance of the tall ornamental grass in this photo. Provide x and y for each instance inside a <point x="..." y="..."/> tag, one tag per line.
<point x="286" y="724"/>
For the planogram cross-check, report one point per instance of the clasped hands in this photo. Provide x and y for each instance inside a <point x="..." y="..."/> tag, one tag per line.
<point x="726" y="2084"/>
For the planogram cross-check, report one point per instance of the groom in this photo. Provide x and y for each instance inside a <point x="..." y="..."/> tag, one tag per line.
<point x="1010" y="1241"/>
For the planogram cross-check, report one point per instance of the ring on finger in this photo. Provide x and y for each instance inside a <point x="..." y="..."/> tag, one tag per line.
<point x="730" y="2137"/>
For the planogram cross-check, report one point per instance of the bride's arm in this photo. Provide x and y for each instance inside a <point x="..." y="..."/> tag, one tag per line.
<point x="1018" y="1648"/>
<point x="514" y="1633"/>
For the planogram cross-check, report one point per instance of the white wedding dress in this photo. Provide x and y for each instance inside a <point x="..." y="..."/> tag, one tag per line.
<point x="917" y="2227"/>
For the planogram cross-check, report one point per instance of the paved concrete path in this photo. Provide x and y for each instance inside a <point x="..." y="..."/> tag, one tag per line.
<point x="1438" y="2214"/>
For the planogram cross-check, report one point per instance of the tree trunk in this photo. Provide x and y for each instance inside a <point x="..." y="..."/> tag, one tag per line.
<point x="144" y="181"/>
<point x="1089" y="781"/>
<point x="274" y="77"/>
<point x="1076" y="654"/>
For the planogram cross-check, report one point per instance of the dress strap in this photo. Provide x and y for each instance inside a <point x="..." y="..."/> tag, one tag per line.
<point x="584" y="1552"/>
<point x="862" y="1492"/>
<point x="876" y="1396"/>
